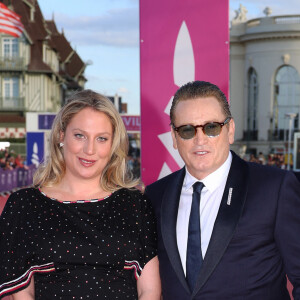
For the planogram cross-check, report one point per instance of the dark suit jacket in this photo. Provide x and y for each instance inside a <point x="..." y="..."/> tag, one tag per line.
<point x="297" y="175"/>
<point x="254" y="244"/>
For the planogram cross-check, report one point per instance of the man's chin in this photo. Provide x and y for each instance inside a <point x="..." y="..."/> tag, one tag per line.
<point x="199" y="172"/>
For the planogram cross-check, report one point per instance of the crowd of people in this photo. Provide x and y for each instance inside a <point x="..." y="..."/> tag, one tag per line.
<point x="273" y="159"/>
<point x="9" y="160"/>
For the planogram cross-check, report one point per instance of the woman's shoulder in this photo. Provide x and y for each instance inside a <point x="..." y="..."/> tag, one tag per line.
<point x="135" y="196"/>
<point x="130" y="192"/>
<point x="25" y="194"/>
<point x="19" y="202"/>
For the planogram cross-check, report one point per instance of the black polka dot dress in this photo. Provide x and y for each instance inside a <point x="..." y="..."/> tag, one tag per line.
<point x="92" y="249"/>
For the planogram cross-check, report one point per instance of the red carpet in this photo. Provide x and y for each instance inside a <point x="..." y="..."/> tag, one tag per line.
<point x="2" y="202"/>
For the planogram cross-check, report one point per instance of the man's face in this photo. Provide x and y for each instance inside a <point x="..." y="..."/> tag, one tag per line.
<point x="202" y="154"/>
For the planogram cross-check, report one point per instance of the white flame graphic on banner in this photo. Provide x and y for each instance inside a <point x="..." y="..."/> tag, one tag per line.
<point x="183" y="72"/>
<point x="35" y="157"/>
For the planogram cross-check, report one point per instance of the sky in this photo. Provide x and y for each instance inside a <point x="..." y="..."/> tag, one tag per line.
<point x="105" y="34"/>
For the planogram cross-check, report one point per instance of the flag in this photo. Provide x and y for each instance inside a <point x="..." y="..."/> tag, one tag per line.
<point x="10" y="22"/>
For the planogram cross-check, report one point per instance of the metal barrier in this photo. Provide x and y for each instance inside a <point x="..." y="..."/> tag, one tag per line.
<point x="11" y="179"/>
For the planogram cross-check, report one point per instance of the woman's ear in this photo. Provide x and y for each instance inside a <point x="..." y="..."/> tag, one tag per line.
<point x="61" y="136"/>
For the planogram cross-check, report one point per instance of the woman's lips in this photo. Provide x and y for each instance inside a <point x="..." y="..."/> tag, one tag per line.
<point x="86" y="162"/>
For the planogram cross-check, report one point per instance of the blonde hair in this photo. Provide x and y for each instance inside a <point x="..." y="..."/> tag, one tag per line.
<point x="115" y="174"/>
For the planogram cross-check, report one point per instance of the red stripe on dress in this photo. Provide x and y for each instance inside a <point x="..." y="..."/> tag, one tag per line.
<point x="133" y="264"/>
<point x="11" y="286"/>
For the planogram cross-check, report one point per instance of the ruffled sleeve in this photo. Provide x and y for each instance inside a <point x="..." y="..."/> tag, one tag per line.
<point x="18" y="261"/>
<point x="147" y="235"/>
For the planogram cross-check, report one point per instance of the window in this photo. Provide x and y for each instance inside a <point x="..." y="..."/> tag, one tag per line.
<point x="252" y="105"/>
<point x="252" y="99"/>
<point x="287" y="98"/>
<point x="10" y="47"/>
<point x="11" y="92"/>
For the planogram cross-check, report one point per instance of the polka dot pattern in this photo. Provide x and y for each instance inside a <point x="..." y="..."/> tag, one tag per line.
<point x="76" y="250"/>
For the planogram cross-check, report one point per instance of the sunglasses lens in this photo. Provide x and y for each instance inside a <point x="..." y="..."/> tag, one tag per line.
<point x="212" y="129"/>
<point x="186" y="132"/>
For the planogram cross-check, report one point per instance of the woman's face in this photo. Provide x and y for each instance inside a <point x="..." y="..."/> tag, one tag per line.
<point x="87" y="144"/>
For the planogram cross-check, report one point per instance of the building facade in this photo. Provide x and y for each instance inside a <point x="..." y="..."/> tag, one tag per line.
<point x="38" y="70"/>
<point x="265" y="81"/>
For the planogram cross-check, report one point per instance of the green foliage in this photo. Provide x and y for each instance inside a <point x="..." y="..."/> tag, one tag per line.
<point x="13" y="140"/>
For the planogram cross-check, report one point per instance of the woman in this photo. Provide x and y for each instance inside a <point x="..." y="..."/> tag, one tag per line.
<point x="84" y="232"/>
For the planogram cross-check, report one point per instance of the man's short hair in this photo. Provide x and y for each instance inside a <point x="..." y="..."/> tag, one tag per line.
<point x="199" y="89"/>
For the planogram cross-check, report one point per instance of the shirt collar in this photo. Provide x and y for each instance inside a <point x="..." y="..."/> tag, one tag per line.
<point x="213" y="180"/>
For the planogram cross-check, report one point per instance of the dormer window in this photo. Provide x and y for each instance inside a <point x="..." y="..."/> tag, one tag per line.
<point x="32" y="11"/>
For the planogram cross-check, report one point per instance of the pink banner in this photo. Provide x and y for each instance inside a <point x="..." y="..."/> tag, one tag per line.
<point x="180" y="41"/>
<point x="132" y="123"/>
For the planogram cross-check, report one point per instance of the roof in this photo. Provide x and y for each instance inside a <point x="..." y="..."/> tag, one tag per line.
<point x="75" y="66"/>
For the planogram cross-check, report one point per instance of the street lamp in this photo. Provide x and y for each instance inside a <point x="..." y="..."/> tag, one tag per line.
<point x="291" y="117"/>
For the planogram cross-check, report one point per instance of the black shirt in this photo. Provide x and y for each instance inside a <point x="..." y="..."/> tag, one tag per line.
<point x="92" y="249"/>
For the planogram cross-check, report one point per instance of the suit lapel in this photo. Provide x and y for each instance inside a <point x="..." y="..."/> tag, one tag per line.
<point x="169" y="212"/>
<point x="228" y="216"/>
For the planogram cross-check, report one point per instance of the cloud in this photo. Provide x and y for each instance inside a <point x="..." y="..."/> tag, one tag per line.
<point x="123" y="90"/>
<point x="118" y="28"/>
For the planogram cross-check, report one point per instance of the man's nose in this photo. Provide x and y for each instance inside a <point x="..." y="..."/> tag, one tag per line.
<point x="200" y="137"/>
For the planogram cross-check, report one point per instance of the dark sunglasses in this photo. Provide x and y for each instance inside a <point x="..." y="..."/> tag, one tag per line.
<point x="210" y="129"/>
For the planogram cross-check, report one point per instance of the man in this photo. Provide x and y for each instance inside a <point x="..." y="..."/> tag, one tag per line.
<point x="249" y="237"/>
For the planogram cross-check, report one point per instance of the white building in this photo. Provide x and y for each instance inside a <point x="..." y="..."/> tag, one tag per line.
<point x="264" y="81"/>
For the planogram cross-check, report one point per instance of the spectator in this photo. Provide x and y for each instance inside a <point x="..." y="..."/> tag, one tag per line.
<point x="2" y="162"/>
<point x="261" y="158"/>
<point x="8" y="166"/>
<point x="12" y="161"/>
<point x="19" y="162"/>
<point x="252" y="158"/>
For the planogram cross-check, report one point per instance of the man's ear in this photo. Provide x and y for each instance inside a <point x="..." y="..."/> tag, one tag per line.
<point x="231" y="131"/>
<point x="174" y="138"/>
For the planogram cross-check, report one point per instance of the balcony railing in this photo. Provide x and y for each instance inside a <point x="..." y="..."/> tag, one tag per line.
<point x="12" y="63"/>
<point x="286" y="19"/>
<point x="12" y="104"/>
<point x="280" y="134"/>
<point x="293" y="19"/>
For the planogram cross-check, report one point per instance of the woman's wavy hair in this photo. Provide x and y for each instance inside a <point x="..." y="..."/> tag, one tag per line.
<point x="115" y="174"/>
